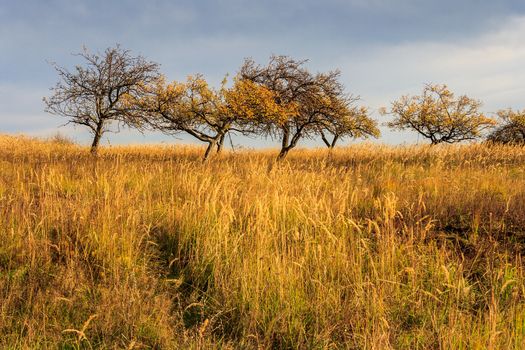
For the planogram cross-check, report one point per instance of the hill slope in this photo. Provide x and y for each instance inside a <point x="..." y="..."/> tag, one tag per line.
<point x="367" y="247"/>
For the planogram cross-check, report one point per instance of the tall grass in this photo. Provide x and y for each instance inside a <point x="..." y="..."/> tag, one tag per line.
<point x="366" y="247"/>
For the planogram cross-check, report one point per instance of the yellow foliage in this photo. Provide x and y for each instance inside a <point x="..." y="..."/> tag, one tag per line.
<point x="439" y="116"/>
<point x="250" y="101"/>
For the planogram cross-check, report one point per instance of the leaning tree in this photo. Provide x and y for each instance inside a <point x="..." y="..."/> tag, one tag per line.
<point x="511" y="129"/>
<point x="207" y="114"/>
<point x="314" y="102"/>
<point x="439" y="116"/>
<point x="93" y="94"/>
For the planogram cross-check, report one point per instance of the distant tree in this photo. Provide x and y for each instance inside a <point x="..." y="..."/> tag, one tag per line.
<point x="92" y="95"/>
<point x="312" y="101"/>
<point x="354" y="123"/>
<point x="440" y="117"/>
<point x="511" y="129"/>
<point x="202" y="112"/>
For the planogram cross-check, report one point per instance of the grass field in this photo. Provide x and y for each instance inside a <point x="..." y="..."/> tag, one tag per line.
<point x="366" y="247"/>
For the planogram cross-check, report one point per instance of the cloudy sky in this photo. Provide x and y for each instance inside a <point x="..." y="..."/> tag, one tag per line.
<point x="384" y="48"/>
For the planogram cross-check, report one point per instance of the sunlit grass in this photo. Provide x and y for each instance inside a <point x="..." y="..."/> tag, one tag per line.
<point x="369" y="246"/>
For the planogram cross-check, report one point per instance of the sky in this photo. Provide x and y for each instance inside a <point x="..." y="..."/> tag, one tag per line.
<point x="384" y="49"/>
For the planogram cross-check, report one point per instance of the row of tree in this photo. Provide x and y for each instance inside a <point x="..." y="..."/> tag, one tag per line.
<point x="282" y="100"/>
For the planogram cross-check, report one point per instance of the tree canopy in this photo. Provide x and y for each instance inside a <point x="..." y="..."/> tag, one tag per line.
<point x="203" y="112"/>
<point x="511" y="129"/>
<point x="439" y="116"/>
<point x="92" y="95"/>
<point x="314" y="102"/>
<point x="354" y="123"/>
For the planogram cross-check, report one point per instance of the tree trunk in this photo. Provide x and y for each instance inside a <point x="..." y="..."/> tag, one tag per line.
<point x="334" y="141"/>
<point x="286" y="138"/>
<point x="285" y="144"/>
<point x="283" y="153"/>
<point x="220" y="143"/>
<point x="211" y="145"/>
<point x="325" y="140"/>
<point x="96" y="139"/>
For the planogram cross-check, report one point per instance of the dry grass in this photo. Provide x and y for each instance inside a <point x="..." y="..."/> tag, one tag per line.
<point x="368" y="247"/>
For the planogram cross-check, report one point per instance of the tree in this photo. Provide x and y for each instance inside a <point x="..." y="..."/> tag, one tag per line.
<point x="355" y="123"/>
<point x="311" y="101"/>
<point x="511" y="129"/>
<point x="202" y="112"/>
<point x="92" y="95"/>
<point x="440" y="117"/>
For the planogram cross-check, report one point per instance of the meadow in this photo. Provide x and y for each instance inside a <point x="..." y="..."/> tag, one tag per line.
<point x="361" y="247"/>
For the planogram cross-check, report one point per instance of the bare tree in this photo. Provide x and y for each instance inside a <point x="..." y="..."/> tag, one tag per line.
<point x="439" y="116"/>
<point x="511" y="129"/>
<point x="312" y="101"/>
<point x="93" y="94"/>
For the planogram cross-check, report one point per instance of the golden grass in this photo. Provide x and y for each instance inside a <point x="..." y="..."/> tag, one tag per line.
<point x="367" y="247"/>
